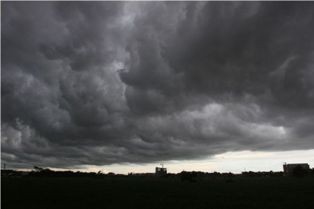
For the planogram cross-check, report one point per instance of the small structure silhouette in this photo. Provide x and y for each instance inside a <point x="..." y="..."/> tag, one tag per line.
<point x="289" y="169"/>
<point x="160" y="171"/>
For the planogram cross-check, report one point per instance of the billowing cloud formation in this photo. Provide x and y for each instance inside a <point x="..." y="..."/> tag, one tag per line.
<point x="111" y="82"/>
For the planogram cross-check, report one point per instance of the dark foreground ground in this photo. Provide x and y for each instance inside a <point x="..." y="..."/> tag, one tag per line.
<point x="153" y="192"/>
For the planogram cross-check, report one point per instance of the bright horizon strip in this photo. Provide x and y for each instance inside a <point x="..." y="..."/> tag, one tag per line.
<point x="235" y="162"/>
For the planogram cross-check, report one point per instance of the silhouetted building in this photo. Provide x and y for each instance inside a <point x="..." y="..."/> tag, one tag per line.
<point x="289" y="169"/>
<point x="160" y="171"/>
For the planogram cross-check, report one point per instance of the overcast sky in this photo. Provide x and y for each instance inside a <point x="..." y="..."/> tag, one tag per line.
<point x="102" y="83"/>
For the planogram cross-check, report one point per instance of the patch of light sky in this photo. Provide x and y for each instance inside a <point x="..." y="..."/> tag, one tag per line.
<point x="235" y="162"/>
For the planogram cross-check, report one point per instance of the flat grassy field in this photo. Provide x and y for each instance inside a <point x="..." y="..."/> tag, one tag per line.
<point x="151" y="193"/>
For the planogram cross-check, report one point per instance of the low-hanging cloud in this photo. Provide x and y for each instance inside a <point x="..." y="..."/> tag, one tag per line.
<point x="95" y="83"/>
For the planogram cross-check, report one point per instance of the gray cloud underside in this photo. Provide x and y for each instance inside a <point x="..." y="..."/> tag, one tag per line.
<point x="108" y="82"/>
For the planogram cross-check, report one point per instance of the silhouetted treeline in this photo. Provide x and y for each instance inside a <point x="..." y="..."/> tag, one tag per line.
<point x="45" y="172"/>
<point x="262" y="173"/>
<point x="184" y="176"/>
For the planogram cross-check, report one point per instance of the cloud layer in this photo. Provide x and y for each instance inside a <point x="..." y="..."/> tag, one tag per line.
<point x="95" y="83"/>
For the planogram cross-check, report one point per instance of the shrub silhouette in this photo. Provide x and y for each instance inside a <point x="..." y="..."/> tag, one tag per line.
<point x="188" y="176"/>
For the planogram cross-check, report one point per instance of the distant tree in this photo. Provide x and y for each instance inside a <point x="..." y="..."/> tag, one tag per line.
<point x="111" y="174"/>
<point x="39" y="169"/>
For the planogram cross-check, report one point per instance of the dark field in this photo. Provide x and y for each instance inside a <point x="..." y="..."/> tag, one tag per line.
<point x="150" y="193"/>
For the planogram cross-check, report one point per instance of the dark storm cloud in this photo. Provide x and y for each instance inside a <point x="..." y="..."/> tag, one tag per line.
<point x="109" y="82"/>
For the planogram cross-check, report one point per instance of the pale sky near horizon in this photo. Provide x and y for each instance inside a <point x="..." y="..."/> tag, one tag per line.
<point x="235" y="162"/>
